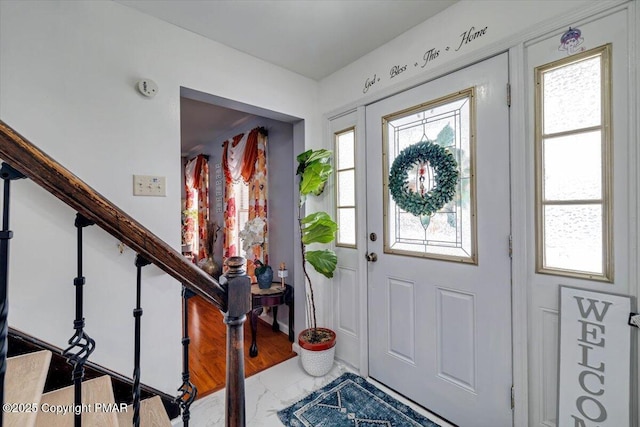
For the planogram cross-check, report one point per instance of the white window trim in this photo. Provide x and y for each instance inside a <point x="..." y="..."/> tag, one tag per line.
<point x="604" y="52"/>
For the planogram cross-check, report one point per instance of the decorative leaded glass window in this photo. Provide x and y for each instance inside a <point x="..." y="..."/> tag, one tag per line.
<point x="449" y="233"/>
<point x="573" y="166"/>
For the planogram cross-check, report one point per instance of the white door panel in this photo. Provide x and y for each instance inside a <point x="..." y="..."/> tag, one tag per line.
<point x="440" y="330"/>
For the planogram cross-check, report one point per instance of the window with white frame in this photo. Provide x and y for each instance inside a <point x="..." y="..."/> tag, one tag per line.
<point x="346" y="187"/>
<point x="241" y="190"/>
<point x="573" y="166"/>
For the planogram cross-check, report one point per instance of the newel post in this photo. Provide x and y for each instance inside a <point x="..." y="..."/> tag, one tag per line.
<point x="238" y="287"/>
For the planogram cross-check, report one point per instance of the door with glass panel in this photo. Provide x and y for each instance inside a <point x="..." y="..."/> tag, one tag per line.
<point x="439" y="291"/>
<point x="348" y="296"/>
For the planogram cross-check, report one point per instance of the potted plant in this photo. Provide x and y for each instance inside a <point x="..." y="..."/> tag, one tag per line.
<point x="317" y="344"/>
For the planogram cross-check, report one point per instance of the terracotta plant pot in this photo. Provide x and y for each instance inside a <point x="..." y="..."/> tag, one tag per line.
<point x="317" y="358"/>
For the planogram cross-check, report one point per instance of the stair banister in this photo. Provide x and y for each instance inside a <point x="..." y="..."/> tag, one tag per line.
<point x="233" y="299"/>
<point x="36" y="165"/>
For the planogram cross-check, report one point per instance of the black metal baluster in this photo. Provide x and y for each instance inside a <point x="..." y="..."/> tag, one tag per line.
<point x="137" y="314"/>
<point x="80" y="344"/>
<point x="7" y="173"/>
<point x="188" y="392"/>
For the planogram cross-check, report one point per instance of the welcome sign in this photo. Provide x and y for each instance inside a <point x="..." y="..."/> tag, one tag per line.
<point x="595" y="359"/>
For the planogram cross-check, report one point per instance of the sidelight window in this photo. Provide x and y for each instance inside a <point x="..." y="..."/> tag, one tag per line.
<point x="346" y="187"/>
<point x="573" y="166"/>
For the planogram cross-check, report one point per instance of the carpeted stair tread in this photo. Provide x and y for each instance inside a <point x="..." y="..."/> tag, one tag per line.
<point x="152" y="414"/>
<point x="24" y="382"/>
<point x="96" y="391"/>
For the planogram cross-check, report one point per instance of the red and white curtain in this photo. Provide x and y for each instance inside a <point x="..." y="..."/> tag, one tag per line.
<point x="196" y="213"/>
<point x="244" y="158"/>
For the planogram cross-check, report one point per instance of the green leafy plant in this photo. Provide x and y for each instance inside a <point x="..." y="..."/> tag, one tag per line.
<point x="314" y="169"/>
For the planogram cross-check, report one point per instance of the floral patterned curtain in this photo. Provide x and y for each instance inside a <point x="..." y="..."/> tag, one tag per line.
<point x="196" y="214"/>
<point x="232" y="154"/>
<point x="245" y="158"/>
<point x="258" y="193"/>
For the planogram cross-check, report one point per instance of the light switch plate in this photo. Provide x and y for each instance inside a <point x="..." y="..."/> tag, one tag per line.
<point x="149" y="185"/>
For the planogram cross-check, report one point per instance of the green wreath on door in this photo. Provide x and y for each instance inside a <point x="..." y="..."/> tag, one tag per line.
<point x="445" y="169"/>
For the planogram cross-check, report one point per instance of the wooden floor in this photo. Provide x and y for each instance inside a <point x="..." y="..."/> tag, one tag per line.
<point x="207" y="352"/>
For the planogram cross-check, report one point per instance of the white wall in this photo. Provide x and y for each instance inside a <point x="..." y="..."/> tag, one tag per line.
<point x="67" y="75"/>
<point x="502" y="19"/>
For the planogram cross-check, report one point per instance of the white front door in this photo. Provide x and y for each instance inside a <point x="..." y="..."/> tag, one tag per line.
<point x="439" y="294"/>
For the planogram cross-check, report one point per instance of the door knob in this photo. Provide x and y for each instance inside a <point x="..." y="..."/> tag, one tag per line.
<point x="372" y="257"/>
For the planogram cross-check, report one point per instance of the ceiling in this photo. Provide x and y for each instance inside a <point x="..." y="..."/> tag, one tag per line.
<point x="313" y="38"/>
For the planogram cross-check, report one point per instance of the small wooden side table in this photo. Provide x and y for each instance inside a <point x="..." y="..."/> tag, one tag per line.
<point x="272" y="297"/>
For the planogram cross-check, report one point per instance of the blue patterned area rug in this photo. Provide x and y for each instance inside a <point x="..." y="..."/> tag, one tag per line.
<point x="351" y="401"/>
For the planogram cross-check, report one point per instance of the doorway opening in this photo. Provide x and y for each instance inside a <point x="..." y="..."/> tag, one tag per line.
<point x="206" y="122"/>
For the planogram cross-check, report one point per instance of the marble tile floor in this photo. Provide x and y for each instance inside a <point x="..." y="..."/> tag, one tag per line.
<point x="272" y="390"/>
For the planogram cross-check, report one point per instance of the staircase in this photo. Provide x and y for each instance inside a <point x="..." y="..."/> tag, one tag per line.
<point x="30" y="407"/>
<point x="22" y="159"/>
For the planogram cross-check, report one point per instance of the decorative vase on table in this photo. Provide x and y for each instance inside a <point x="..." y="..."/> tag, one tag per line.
<point x="264" y="275"/>
<point x="211" y="267"/>
<point x="208" y="263"/>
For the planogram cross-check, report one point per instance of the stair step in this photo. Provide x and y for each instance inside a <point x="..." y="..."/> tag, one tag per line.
<point x="152" y="414"/>
<point x="97" y="396"/>
<point x="23" y="384"/>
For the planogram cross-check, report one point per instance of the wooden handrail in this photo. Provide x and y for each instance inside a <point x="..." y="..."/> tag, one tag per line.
<point x="32" y="162"/>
